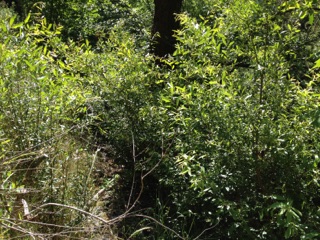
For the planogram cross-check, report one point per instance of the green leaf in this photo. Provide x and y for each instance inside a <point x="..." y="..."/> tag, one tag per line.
<point x="165" y="99"/>
<point x="288" y="233"/>
<point x="3" y="27"/>
<point x="45" y="50"/>
<point x="29" y="65"/>
<point x="317" y="64"/>
<point x="276" y="27"/>
<point x="11" y="21"/>
<point x="27" y="18"/>
<point x="18" y="25"/>
<point x="276" y="205"/>
<point x="311" y="19"/>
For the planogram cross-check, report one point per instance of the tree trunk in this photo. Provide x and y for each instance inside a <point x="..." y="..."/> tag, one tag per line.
<point x="164" y="24"/>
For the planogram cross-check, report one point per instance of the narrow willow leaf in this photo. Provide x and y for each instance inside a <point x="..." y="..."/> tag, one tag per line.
<point x="12" y="20"/>
<point x="27" y="18"/>
<point x="18" y="25"/>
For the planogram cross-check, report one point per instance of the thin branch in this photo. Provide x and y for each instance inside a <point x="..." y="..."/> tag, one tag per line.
<point x="163" y="153"/>
<point x="134" y="170"/>
<point x="67" y="229"/>
<point x="159" y="223"/>
<point x="73" y="208"/>
<point x="20" y="229"/>
<point x="42" y="223"/>
<point x="207" y="229"/>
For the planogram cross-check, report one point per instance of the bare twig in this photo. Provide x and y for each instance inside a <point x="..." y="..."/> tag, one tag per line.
<point x="207" y="229"/>
<point x="42" y="223"/>
<point x="159" y="223"/>
<point x="20" y="229"/>
<point x="163" y="154"/>
<point x="66" y="229"/>
<point x="134" y="170"/>
<point x="73" y="208"/>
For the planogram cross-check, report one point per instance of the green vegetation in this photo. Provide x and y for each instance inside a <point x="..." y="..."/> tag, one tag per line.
<point x="221" y="140"/>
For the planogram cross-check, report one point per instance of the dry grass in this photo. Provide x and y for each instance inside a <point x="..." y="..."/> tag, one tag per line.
<point x="57" y="192"/>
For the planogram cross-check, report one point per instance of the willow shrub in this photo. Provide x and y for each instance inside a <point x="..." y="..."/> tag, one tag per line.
<point x="226" y="129"/>
<point x="41" y="100"/>
<point x="243" y="157"/>
<point x="93" y="19"/>
<point x="227" y="126"/>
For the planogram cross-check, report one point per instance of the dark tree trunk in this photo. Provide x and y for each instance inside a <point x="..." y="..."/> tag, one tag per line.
<point x="164" y="24"/>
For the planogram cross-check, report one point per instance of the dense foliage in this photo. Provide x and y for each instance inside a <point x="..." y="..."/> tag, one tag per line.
<point x="219" y="141"/>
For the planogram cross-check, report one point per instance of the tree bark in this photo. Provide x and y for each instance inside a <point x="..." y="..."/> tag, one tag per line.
<point x="164" y="24"/>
